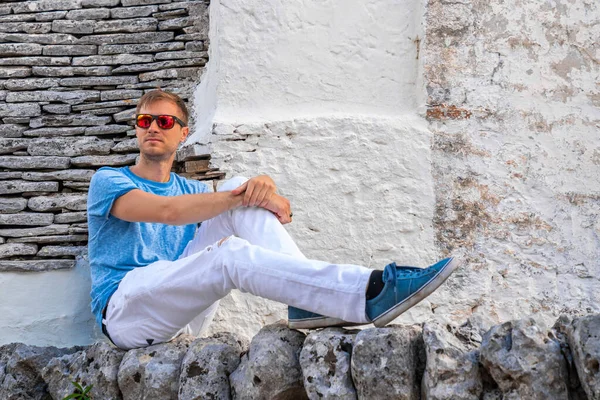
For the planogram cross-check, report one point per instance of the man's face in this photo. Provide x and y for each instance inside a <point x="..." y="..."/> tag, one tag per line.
<point x="156" y="143"/>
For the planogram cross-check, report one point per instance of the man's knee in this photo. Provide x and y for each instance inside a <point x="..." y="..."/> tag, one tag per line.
<point x="232" y="183"/>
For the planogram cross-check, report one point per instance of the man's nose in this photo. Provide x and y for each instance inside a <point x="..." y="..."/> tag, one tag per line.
<point x="153" y="126"/>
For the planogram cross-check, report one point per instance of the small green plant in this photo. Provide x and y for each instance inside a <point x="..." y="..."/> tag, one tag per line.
<point x="80" y="393"/>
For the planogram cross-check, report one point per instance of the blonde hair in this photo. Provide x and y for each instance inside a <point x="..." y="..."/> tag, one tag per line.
<point x="156" y="95"/>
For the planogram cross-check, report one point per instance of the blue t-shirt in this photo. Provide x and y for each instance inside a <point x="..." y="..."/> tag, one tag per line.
<point x="116" y="246"/>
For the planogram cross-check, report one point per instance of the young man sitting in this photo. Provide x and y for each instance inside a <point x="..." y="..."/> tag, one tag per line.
<point x="156" y="273"/>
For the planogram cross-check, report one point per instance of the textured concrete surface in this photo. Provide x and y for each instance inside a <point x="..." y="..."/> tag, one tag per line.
<point x="513" y="108"/>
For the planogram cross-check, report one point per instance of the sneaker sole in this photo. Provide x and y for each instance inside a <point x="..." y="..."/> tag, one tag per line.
<point x="321" y="322"/>
<point x="416" y="297"/>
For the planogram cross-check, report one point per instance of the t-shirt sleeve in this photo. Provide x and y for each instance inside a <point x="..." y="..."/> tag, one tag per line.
<point x="106" y="186"/>
<point x="202" y="187"/>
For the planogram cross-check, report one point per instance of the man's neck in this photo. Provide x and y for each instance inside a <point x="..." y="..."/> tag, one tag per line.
<point x="157" y="171"/>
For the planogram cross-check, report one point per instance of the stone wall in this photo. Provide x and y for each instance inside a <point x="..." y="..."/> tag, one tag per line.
<point x="70" y="76"/>
<point x="517" y="360"/>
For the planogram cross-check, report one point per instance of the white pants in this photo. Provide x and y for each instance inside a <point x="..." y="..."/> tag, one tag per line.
<point x="157" y="302"/>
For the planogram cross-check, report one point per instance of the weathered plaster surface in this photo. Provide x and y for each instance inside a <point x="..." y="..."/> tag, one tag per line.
<point x="49" y="307"/>
<point x="281" y="59"/>
<point x="360" y="188"/>
<point x="335" y="169"/>
<point x="510" y="92"/>
<point x="322" y="97"/>
<point x="513" y="102"/>
<point x="275" y="60"/>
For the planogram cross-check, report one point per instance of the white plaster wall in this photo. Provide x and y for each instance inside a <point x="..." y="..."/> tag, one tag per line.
<point x="281" y="59"/>
<point x="277" y="60"/>
<point x="47" y="308"/>
<point x="322" y="97"/>
<point x="360" y="188"/>
<point x="517" y="170"/>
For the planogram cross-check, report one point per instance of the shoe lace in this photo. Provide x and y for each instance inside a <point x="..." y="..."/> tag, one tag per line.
<point x="394" y="271"/>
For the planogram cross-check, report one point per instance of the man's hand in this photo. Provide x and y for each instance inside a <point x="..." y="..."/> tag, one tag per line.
<point x="260" y="192"/>
<point x="257" y="191"/>
<point x="280" y="206"/>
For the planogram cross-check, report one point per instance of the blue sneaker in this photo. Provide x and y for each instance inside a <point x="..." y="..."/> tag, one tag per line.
<point x="302" y="319"/>
<point x="405" y="288"/>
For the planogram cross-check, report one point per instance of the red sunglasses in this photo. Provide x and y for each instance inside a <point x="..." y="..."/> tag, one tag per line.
<point x="163" y="121"/>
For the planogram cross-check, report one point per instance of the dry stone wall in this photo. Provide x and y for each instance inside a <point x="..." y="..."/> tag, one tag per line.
<point x="70" y="76"/>
<point x="439" y="361"/>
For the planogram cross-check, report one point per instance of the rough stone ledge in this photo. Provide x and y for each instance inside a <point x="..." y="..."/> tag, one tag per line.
<point x="517" y="360"/>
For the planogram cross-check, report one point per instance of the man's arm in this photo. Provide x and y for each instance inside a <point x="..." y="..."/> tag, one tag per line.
<point x="140" y="206"/>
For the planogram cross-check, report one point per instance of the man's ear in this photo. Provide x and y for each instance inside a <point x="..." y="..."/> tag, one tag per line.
<point x="185" y="131"/>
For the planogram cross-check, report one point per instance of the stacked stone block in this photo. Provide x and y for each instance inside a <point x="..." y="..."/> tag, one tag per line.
<point x="71" y="72"/>
<point x="437" y="361"/>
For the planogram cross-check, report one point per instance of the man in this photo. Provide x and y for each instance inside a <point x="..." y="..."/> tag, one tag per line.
<point x="156" y="274"/>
